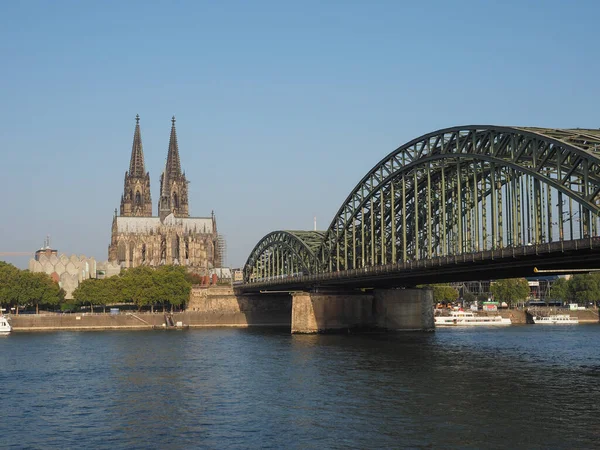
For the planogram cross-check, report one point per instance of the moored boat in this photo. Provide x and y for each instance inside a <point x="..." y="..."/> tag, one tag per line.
<point x="466" y="318"/>
<point x="5" y="327"/>
<point x="556" y="319"/>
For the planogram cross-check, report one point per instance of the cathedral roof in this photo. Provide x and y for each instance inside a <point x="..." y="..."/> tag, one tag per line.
<point x="136" y="165"/>
<point x="154" y="225"/>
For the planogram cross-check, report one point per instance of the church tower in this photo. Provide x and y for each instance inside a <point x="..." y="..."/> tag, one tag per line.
<point x="173" y="184"/>
<point x="136" y="200"/>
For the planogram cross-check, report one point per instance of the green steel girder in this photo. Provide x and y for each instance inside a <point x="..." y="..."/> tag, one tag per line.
<point x="283" y="253"/>
<point x="566" y="161"/>
<point x="449" y="192"/>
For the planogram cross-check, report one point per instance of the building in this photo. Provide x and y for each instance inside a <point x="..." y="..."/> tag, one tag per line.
<point x="172" y="237"/>
<point x="69" y="271"/>
<point x="238" y="275"/>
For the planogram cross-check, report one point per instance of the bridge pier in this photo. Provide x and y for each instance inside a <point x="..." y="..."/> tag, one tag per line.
<point x="381" y="309"/>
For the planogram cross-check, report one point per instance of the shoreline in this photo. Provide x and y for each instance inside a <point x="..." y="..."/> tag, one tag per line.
<point x="148" y="321"/>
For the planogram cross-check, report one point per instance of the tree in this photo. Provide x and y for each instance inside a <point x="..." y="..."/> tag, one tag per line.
<point x="560" y="290"/>
<point x="89" y="293"/>
<point x="584" y="288"/>
<point x="100" y="292"/>
<point x="444" y="293"/>
<point x="38" y="289"/>
<point x="469" y="297"/>
<point x="9" y="275"/>
<point x="175" y="285"/>
<point x="138" y="285"/>
<point x="510" y="290"/>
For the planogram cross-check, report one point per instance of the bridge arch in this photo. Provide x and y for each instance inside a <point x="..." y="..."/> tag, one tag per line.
<point x="469" y="189"/>
<point x="284" y="253"/>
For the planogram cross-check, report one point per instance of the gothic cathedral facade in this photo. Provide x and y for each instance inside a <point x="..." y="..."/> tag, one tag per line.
<point x="173" y="237"/>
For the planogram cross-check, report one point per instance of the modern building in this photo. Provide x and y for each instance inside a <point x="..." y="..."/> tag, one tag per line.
<point x="69" y="271"/>
<point x="172" y="237"/>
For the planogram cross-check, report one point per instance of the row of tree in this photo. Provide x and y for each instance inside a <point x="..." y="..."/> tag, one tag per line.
<point x="24" y="288"/>
<point x="581" y="288"/>
<point x="166" y="286"/>
<point x="511" y="291"/>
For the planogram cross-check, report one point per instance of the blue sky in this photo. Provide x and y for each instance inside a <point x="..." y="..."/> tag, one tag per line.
<point x="281" y="107"/>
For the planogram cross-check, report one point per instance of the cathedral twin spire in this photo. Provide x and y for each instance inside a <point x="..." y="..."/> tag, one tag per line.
<point x="173" y="184"/>
<point x="136" y="165"/>
<point x="136" y="200"/>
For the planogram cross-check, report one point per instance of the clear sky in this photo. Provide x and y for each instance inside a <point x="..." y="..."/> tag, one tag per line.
<point x="281" y="106"/>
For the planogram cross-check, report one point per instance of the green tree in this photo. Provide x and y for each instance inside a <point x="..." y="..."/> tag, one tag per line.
<point x="38" y="289"/>
<point x="100" y="292"/>
<point x="444" y="293"/>
<point x="139" y="285"/>
<point x="584" y="288"/>
<point x="510" y="290"/>
<point x="89" y="293"/>
<point x="175" y="285"/>
<point x="9" y="276"/>
<point x="469" y="297"/>
<point x="560" y="289"/>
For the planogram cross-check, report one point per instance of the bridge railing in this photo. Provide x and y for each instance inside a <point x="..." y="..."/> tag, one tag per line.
<point x="368" y="271"/>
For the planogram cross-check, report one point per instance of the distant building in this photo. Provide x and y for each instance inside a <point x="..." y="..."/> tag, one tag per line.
<point x="67" y="271"/>
<point x="140" y="239"/>
<point x="238" y="275"/>
<point x="223" y="273"/>
<point x="46" y="250"/>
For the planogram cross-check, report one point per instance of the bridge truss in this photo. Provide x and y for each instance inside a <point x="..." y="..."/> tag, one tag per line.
<point x="452" y="192"/>
<point x="284" y="253"/>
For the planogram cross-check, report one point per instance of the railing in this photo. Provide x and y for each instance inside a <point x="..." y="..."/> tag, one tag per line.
<point x="368" y="271"/>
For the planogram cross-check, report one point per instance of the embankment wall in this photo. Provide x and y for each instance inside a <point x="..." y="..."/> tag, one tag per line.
<point x="208" y="307"/>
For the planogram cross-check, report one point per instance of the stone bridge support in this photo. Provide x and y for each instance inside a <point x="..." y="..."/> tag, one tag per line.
<point x="381" y="309"/>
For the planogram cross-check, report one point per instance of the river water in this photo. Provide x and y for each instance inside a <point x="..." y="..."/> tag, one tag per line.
<point x="516" y="387"/>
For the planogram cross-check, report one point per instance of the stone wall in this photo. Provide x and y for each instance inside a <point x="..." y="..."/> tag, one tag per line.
<point x="48" y="322"/>
<point x="208" y="307"/>
<point x="345" y="311"/>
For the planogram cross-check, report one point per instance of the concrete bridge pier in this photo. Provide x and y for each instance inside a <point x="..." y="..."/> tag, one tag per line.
<point x="381" y="309"/>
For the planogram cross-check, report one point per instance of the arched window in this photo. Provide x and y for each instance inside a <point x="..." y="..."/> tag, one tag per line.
<point x="138" y="198"/>
<point x="121" y="252"/>
<point x="163" y="250"/>
<point x="131" y="245"/>
<point x="131" y="195"/>
<point x="175" y="248"/>
<point x="187" y="248"/>
<point x="175" y="200"/>
<point x="143" y="253"/>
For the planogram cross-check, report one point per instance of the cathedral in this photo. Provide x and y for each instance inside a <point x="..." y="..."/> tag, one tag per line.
<point x="173" y="237"/>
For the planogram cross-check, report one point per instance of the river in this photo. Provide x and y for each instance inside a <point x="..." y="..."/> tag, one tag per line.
<point x="515" y="387"/>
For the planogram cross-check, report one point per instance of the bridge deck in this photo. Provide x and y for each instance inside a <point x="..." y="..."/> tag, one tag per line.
<point x="491" y="264"/>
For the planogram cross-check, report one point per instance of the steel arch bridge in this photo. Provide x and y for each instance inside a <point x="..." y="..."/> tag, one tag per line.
<point x="286" y="253"/>
<point x="457" y="191"/>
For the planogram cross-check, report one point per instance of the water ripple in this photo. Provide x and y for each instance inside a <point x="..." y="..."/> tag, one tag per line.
<point x="520" y="387"/>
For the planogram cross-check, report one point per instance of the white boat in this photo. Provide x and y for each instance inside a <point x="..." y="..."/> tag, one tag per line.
<point x="466" y="318"/>
<point x="556" y="319"/>
<point x="5" y="327"/>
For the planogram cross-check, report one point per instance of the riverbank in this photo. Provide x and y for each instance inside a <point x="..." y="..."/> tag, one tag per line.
<point x="144" y="321"/>
<point x="214" y="307"/>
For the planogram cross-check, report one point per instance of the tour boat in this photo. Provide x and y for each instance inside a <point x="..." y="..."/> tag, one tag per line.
<point x="5" y="327"/>
<point x="557" y="319"/>
<point x="464" y="318"/>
